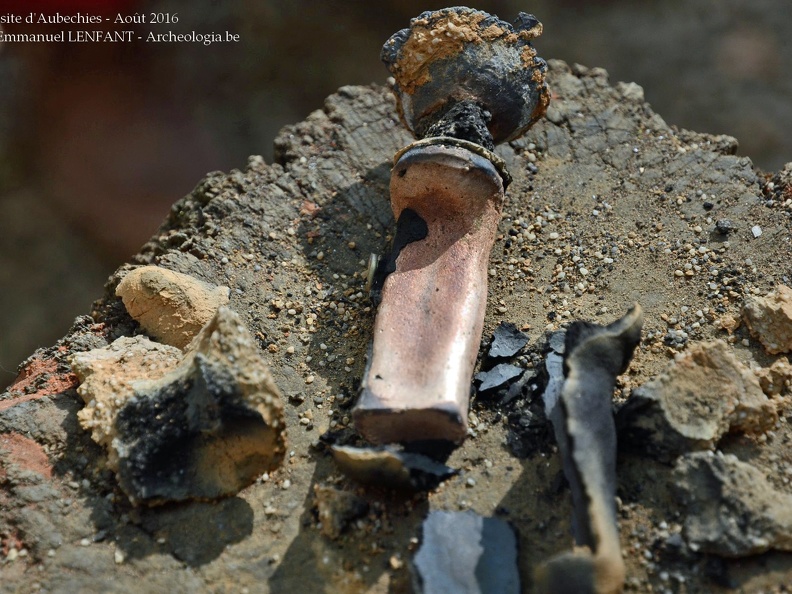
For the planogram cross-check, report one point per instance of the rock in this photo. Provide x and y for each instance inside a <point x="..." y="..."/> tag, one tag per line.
<point x="201" y="427"/>
<point x="25" y="453"/>
<point x="466" y="553"/>
<point x="631" y="91"/>
<point x="775" y="379"/>
<point x="704" y="394"/>
<point x="389" y="467"/>
<point x="170" y="306"/>
<point x="732" y="509"/>
<point x="107" y="377"/>
<point x="729" y="323"/>
<point x="724" y="226"/>
<point x="769" y="319"/>
<point x="336" y="509"/>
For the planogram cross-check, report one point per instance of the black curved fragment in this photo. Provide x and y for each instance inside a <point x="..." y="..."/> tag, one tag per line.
<point x="582" y="416"/>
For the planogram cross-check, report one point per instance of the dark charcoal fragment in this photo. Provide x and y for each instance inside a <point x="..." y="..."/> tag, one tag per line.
<point x="497" y="376"/>
<point x="463" y="552"/>
<point x="517" y="388"/>
<point x="557" y="342"/>
<point x="507" y="341"/>
<point x="464" y="120"/>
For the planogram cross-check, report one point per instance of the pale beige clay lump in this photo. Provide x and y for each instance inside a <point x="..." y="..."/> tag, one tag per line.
<point x="703" y="395"/>
<point x="769" y="319"/>
<point x="108" y="378"/>
<point x="170" y="306"/>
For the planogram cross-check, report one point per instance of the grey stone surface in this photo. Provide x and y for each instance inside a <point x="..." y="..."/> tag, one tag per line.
<point x="705" y="394"/>
<point x="731" y="507"/>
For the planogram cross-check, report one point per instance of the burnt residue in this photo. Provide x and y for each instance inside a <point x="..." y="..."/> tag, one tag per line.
<point x="409" y="228"/>
<point x="507" y="340"/>
<point x="464" y="120"/>
<point x="498" y="376"/>
<point x="459" y="54"/>
<point x="157" y="439"/>
<point x="510" y="383"/>
<point x="168" y="436"/>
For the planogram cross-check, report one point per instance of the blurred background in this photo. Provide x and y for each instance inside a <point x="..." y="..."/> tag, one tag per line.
<point x="97" y="140"/>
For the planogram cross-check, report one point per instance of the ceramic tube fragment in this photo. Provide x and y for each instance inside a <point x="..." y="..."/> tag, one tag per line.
<point x="465" y="81"/>
<point x="429" y="323"/>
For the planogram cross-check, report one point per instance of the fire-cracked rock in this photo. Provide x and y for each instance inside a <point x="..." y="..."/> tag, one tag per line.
<point x="732" y="509"/>
<point x="107" y="381"/>
<point x="704" y="394"/>
<point x="199" y="428"/>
